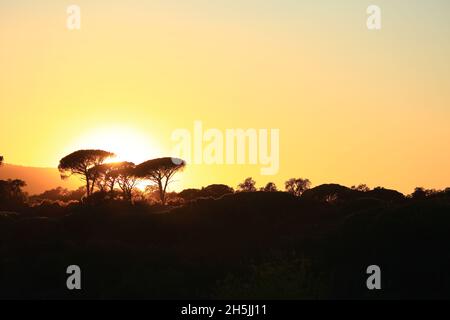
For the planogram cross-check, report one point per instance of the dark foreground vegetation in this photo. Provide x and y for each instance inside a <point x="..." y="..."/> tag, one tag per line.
<point x="255" y="244"/>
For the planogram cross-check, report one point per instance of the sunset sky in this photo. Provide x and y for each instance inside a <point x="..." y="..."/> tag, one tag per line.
<point x="352" y="105"/>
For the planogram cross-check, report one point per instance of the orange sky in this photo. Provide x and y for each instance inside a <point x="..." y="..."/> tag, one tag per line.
<point x="352" y="105"/>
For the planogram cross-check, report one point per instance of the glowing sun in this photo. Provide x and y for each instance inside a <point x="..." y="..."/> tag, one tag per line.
<point x="128" y="144"/>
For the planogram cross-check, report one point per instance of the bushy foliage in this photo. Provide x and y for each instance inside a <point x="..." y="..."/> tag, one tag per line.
<point x="215" y="191"/>
<point x="259" y="245"/>
<point x="247" y="186"/>
<point x="59" y="194"/>
<point x="12" y="195"/>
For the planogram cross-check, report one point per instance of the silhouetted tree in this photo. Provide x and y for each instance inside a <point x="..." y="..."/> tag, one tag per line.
<point x="80" y="162"/>
<point x="11" y="194"/>
<point x="212" y="191"/>
<point x="385" y="194"/>
<point x="105" y="179"/>
<point x="1" y="161"/>
<point x="216" y="190"/>
<point x="297" y="186"/>
<point x="127" y="178"/>
<point x="160" y="171"/>
<point x="14" y="187"/>
<point x="361" y="187"/>
<point x="107" y="174"/>
<point x="151" y="192"/>
<point x="247" y="186"/>
<point x="269" y="187"/>
<point x="422" y="193"/>
<point x="190" y="194"/>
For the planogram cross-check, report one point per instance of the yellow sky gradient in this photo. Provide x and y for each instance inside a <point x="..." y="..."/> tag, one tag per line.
<point x="352" y="105"/>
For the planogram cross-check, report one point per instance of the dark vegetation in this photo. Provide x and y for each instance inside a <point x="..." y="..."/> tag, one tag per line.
<point x="216" y="242"/>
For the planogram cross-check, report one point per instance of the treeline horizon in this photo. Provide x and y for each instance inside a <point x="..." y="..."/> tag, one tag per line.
<point x="119" y="180"/>
<point x="219" y="242"/>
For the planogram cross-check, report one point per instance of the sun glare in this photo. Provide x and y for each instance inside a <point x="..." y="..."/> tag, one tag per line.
<point x="126" y="143"/>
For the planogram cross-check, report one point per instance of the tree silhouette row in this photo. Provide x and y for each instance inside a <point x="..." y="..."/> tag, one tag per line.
<point x="92" y="168"/>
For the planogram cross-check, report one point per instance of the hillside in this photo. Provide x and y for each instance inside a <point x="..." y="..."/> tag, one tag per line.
<point x="38" y="179"/>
